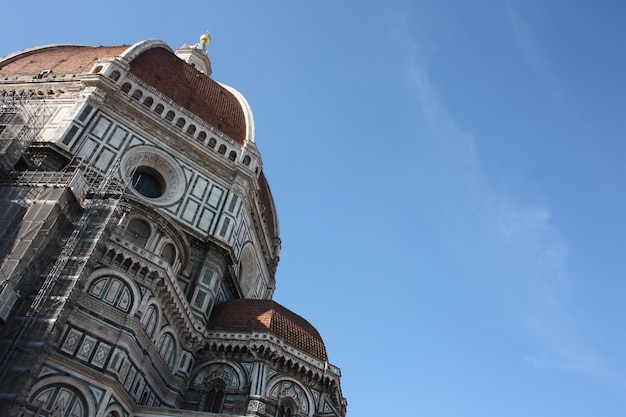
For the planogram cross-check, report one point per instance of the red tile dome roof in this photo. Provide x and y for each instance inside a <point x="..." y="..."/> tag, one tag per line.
<point x="157" y="66"/>
<point x="248" y="316"/>
<point x="191" y="89"/>
<point x="61" y="59"/>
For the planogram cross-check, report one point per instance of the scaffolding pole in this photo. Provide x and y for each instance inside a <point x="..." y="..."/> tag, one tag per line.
<point x="22" y="117"/>
<point x="107" y="187"/>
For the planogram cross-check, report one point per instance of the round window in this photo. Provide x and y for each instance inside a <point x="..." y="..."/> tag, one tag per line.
<point x="152" y="173"/>
<point x="148" y="182"/>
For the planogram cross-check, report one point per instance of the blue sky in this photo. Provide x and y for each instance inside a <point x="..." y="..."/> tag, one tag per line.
<point x="449" y="177"/>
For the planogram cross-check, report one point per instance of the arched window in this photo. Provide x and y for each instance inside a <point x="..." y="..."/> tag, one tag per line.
<point x="60" y="400"/>
<point x="138" y="231"/>
<point x="222" y="149"/>
<point x="202" y="136"/>
<point x="159" y="108"/>
<point x="168" y="253"/>
<point x="167" y="349"/>
<point x="126" y="87"/>
<point x="181" y="122"/>
<point x="287" y="408"/>
<point x="215" y="397"/>
<point x="212" y="143"/>
<point x="149" y="320"/>
<point x="148" y="102"/>
<point x="232" y="155"/>
<point x="115" y="75"/>
<point x="246" y="160"/>
<point x="191" y="129"/>
<point x="169" y="116"/>
<point x="112" y="291"/>
<point x="137" y="94"/>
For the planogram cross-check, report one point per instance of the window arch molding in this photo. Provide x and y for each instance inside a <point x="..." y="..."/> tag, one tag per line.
<point x="151" y="320"/>
<point x="286" y="387"/>
<point x="287" y="407"/>
<point x="139" y="229"/>
<point x="115" y="75"/>
<point x="64" y="382"/>
<point x="168" y="251"/>
<point x="104" y="272"/>
<point x="216" y="393"/>
<point x="137" y="94"/>
<point x="207" y="371"/>
<point x="170" y="353"/>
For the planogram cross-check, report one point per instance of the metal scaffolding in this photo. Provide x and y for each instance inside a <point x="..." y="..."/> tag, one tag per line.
<point x="22" y="119"/>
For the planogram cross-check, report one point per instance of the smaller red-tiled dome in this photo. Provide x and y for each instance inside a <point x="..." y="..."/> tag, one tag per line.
<point x="249" y="316"/>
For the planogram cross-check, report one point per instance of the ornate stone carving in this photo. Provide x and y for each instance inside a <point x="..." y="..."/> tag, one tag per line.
<point x="256" y="406"/>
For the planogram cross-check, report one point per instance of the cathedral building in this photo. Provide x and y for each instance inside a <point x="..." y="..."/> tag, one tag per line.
<point x="139" y="243"/>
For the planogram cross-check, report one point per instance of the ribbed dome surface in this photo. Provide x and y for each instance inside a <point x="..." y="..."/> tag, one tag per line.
<point x="192" y="90"/>
<point x="60" y="59"/>
<point x="157" y="67"/>
<point x="248" y="316"/>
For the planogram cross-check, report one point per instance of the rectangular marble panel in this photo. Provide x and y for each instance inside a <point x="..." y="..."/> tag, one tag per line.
<point x="118" y="137"/>
<point x="200" y="187"/>
<point x="190" y="210"/>
<point x="71" y="341"/>
<point x="130" y="378"/>
<point x="206" y="219"/>
<point x="215" y="196"/>
<point x="88" y="148"/>
<point x="86" y="347"/>
<point x="101" y="126"/>
<point x="105" y="158"/>
<point x="101" y="355"/>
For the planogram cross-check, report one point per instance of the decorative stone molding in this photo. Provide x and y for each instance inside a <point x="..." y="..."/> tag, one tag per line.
<point x="148" y="157"/>
<point x="255" y="407"/>
<point x="275" y="351"/>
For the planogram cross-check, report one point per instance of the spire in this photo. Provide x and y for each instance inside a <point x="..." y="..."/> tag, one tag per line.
<point x="197" y="55"/>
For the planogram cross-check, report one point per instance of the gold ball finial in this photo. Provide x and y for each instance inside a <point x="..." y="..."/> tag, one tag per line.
<point x="205" y="39"/>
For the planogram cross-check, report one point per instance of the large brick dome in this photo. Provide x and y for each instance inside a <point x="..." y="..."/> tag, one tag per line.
<point x="157" y="66"/>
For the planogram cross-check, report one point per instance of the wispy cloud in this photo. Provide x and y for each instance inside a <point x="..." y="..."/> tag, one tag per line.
<point x="531" y="52"/>
<point x="532" y="228"/>
<point x="530" y="260"/>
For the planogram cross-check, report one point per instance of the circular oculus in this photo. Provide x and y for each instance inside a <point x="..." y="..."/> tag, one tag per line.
<point x="152" y="174"/>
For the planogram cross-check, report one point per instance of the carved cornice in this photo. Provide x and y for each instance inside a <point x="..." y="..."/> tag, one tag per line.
<point x="276" y="352"/>
<point x="162" y="282"/>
